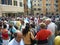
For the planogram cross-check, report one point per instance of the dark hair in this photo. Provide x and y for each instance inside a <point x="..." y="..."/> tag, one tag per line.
<point x="32" y="25"/>
<point x="25" y="31"/>
<point x="15" y="35"/>
<point x="4" y="26"/>
<point x="10" y="26"/>
<point x="16" y="27"/>
<point x="0" y="25"/>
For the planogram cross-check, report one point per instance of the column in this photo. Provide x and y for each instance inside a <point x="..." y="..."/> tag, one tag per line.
<point x="44" y="6"/>
<point x="52" y="6"/>
<point x="59" y="6"/>
<point x="12" y="2"/>
<point x="0" y="10"/>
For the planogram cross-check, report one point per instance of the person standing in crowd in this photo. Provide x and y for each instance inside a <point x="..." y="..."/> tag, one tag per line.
<point x="32" y="29"/>
<point x="36" y="20"/>
<point x="5" y="35"/>
<point x="12" y="30"/>
<point x="51" y="26"/>
<point x="1" y="33"/>
<point x="6" y="22"/>
<point x="43" y="35"/>
<point x="27" y="35"/>
<point x="22" y="26"/>
<point x="18" y="23"/>
<point x="17" y="40"/>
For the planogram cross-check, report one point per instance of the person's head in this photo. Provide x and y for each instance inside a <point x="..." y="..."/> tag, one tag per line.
<point x="10" y="26"/>
<point x="18" y="36"/>
<point x="22" y="22"/>
<point x="27" y="28"/>
<point x="4" y="26"/>
<point x="0" y="25"/>
<point x="47" y="21"/>
<point x="32" y="25"/>
<point x="16" y="27"/>
<point x="42" y="25"/>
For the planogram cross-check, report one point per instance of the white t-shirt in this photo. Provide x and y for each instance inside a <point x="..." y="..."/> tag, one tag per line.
<point x="14" y="42"/>
<point x="52" y="27"/>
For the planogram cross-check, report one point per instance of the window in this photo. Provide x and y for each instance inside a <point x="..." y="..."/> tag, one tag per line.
<point x="39" y="9"/>
<point x="15" y="3"/>
<point x="38" y="5"/>
<point x="56" y="1"/>
<point x="46" y="9"/>
<point x="49" y="4"/>
<point x="46" y="4"/>
<point x="56" y="5"/>
<point x="20" y="0"/>
<point x="56" y="10"/>
<point x="52" y="13"/>
<point x="41" y="13"/>
<point x="0" y="2"/>
<point x="21" y="4"/>
<point x="34" y="0"/>
<point x="4" y="1"/>
<point x="34" y="4"/>
<point x="9" y="2"/>
<point x="34" y="8"/>
<point x="47" y="13"/>
<point x="47" y="0"/>
<point x="37" y="13"/>
<point x="40" y="0"/>
<point x="57" y="14"/>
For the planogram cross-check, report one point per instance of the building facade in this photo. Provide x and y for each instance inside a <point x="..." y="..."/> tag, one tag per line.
<point x="58" y="10"/>
<point x="25" y="7"/>
<point x="11" y="7"/>
<point x="46" y="7"/>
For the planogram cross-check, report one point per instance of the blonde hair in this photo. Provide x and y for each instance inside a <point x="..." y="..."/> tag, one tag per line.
<point x="42" y="25"/>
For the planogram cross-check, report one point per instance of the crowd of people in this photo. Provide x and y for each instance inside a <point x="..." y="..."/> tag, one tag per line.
<point x="28" y="31"/>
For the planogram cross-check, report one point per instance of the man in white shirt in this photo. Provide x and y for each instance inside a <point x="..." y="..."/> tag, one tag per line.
<point x="51" y="26"/>
<point x="17" y="40"/>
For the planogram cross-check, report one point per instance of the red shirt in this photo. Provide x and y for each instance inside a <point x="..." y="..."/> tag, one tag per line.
<point x="43" y="34"/>
<point x="5" y="35"/>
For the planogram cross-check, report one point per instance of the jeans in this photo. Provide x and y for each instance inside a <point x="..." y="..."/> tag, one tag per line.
<point x="51" y="40"/>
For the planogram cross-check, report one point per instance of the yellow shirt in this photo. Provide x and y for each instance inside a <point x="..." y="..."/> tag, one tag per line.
<point x="18" y="24"/>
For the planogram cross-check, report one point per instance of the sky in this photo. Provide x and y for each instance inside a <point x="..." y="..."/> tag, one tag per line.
<point x="29" y="5"/>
